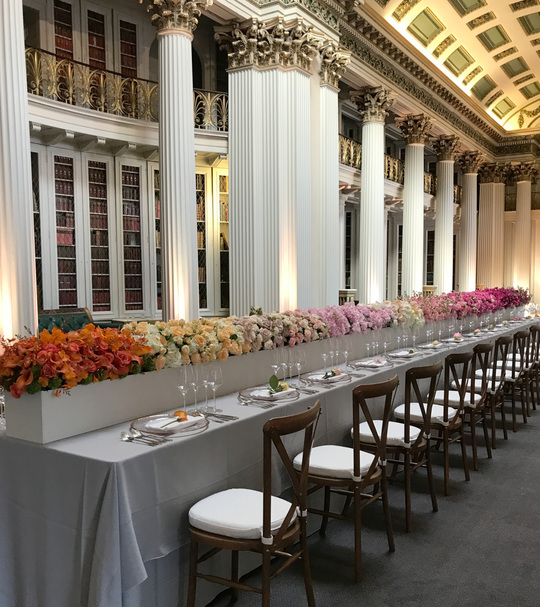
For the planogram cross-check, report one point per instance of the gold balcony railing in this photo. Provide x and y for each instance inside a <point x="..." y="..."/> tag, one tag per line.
<point x="350" y="152"/>
<point x="394" y="169"/>
<point x="79" y="84"/>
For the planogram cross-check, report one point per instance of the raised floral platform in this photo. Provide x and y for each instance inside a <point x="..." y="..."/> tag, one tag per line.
<point x="42" y="369"/>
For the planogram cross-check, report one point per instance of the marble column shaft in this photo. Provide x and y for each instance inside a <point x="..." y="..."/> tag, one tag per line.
<point x="467" y="238"/>
<point x="444" y="227"/>
<point x="177" y="172"/>
<point x="413" y="220"/>
<point x="372" y="216"/>
<point x="18" y="301"/>
<point x="490" y="256"/>
<point x="522" y="235"/>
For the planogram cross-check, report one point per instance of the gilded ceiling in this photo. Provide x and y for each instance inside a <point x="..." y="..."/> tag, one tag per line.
<point x="488" y="48"/>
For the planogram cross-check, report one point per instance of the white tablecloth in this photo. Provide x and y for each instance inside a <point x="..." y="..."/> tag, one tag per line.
<point x="94" y="521"/>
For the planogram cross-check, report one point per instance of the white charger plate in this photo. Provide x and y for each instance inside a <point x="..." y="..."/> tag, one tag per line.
<point x="153" y="424"/>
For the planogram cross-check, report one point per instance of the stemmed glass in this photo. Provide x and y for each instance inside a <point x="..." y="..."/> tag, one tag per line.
<point x="368" y="347"/>
<point x="276" y="362"/>
<point x="346" y="345"/>
<point x="284" y="363"/>
<point x="325" y="361"/>
<point x="451" y="328"/>
<point x="398" y="339"/>
<point x="385" y="346"/>
<point x="216" y="381"/>
<point x="183" y="383"/>
<point x="204" y="380"/>
<point x="300" y="363"/>
<point x="193" y="381"/>
<point x="291" y="363"/>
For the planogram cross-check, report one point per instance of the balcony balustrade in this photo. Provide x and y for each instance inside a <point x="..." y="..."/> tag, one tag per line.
<point x="78" y="84"/>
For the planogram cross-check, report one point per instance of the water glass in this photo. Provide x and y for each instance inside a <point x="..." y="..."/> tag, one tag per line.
<point x="183" y="383"/>
<point x="216" y="381"/>
<point x="300" y="363"/>
<point x="193" y="381"/>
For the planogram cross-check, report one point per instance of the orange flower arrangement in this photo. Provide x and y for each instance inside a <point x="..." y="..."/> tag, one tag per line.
<point x="59" y="361"/>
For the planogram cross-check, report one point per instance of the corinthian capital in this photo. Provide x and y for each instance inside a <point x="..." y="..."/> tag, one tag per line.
<point x="334" y="61"/>
<point x="415" y="128"/>
<point x="524" y="171"/>
<point x="446" y="147"/>
<point x="470" y="161"/>
<point x="177" y="14"/>
<point x="372" y="102"/>
<point x="493" y="173"/>
<point x="273" y="44"/>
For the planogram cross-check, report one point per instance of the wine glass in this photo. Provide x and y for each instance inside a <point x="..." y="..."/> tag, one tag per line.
<point x="284" y="362"/>
<point x="204" y="380"/>
<point x="346" y="345"/>
<point x="368" y="347"/>
<point x="291" y="363"/>
<point x="325" y="361"/>
<point x="183" y="383"/>
<point x="193" y="381"/>
<point x="385" y="346"/>
<point x="216" y="381"/>
<point x="276" y="363"/>
<point x="300" y="363"/>
<point x="398" y="339"/>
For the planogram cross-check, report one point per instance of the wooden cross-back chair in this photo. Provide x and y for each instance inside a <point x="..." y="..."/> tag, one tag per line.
<point x="242" y="519"/>
<point x="517" y="377"/>
<point x="408" y="441"/>
<point x="352" y="472"/>
<point x="496" y="377"/>
<point x="449" y="426"/>
<point x="534" y="364"/>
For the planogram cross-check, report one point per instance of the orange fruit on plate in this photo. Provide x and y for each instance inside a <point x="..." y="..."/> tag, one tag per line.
<point x="182" y="415"/>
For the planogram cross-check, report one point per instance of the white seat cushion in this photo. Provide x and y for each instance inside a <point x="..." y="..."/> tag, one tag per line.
<point x="489" y="374"/>
<point x="453" y="397"/>
<point x="437" y="413"/>
<point x="395" y="435"/>
<point x="237" y="513"/>
<point x="334" y="461"/>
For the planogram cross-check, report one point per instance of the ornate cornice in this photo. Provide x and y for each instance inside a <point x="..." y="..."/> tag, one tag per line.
<point x="524" y="171"/>
<point x="372" y="102"/>
<point x="415" y="127"/>
<point x="493" y="173"/>
<point x="328" y="11"/>
<point x="275" y="43"/>
<point x="470" y="162"/>
<point x="177" y="14"/>
<point x="446" y="147"/>
<point x="334" y="61"/>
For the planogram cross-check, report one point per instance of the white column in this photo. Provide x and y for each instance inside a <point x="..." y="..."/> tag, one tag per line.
<point x="392" y="258"/>
<point x="470" y="163"/>
<point x="18" y="307"/>
<point x="415" y="129"/>
<point x="490" y="252"/>
<point x="524" y="174"/>
<point x="270" y="165"/>
<point x="445" y="147"/>
<point x="342" y="236"/>
<point x="176" y="21"/>
<point x="328" y="169"/>
<point x="373" y="104"/>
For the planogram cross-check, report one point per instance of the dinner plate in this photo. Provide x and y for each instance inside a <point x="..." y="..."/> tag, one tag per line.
<point x="156" y="424"/>
<point x="451" y="340"/>
<point x="371" y="364"/>
<point x="430" y="346"/>
<point x="403" y="354"/>
<point x="263" y="393"/>
<point x="319" y="378"/>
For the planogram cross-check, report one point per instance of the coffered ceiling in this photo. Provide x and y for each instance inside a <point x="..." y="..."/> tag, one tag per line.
<point x="489" y="48"/>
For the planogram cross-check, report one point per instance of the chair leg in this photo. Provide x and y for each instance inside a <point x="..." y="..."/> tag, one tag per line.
<point x="266" y="573"/>
<point x="326" y="509"/>
<point x="503" y="419"/>
<point x="514" y="419"/>
<point x="357" y="533"/>
<point x="493" y="409"/>
<point x="387" y="517"/>
<point x="234" y="573"/>
<point x="407" y="471"/>
<point x="464" y="453"/>
<point x="305" y="564"/>
<point x="429" y="469"/>
<point x="446" y="464"/>
<point x="472" y="421"/>
<point x="192" y="587"/>
<point x="524" y="392"/>
<point x="486" y="435"/>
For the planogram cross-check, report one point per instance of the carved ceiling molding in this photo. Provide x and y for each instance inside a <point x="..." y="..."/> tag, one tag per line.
<point x="372" y="102"/>
<point x="446" y="147"/>
<point x="415" y="127"/>
<point x="524" y="171"/>
<point x="328" y="11"/>
<point x="470" y="162"/>
<point x="177" y="14"/>
<point x="493" y="173"/>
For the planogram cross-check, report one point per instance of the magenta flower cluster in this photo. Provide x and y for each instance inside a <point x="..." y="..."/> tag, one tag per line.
<point x="350" y="318"/>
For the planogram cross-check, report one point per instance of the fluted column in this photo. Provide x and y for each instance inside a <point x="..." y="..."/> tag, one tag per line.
<point x="524" y="174"/>
<point x="18" y="307"/>
<point x="176" y="20"/>
<point x="333" y="64"/>
<point x="373" y="104"/>
<point x="445" y="148"/>
<point x="270" y="163"/>
<point x="470" y="163"/>
<point x="342" y="227"/>
<point x="490" y="247"/>
<point x="415" y="130"/>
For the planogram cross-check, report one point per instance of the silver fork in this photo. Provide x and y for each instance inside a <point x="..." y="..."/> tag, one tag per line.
<point x="245" y="402"/>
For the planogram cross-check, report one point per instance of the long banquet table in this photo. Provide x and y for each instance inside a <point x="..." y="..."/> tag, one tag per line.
<point x="93" y="521"/>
